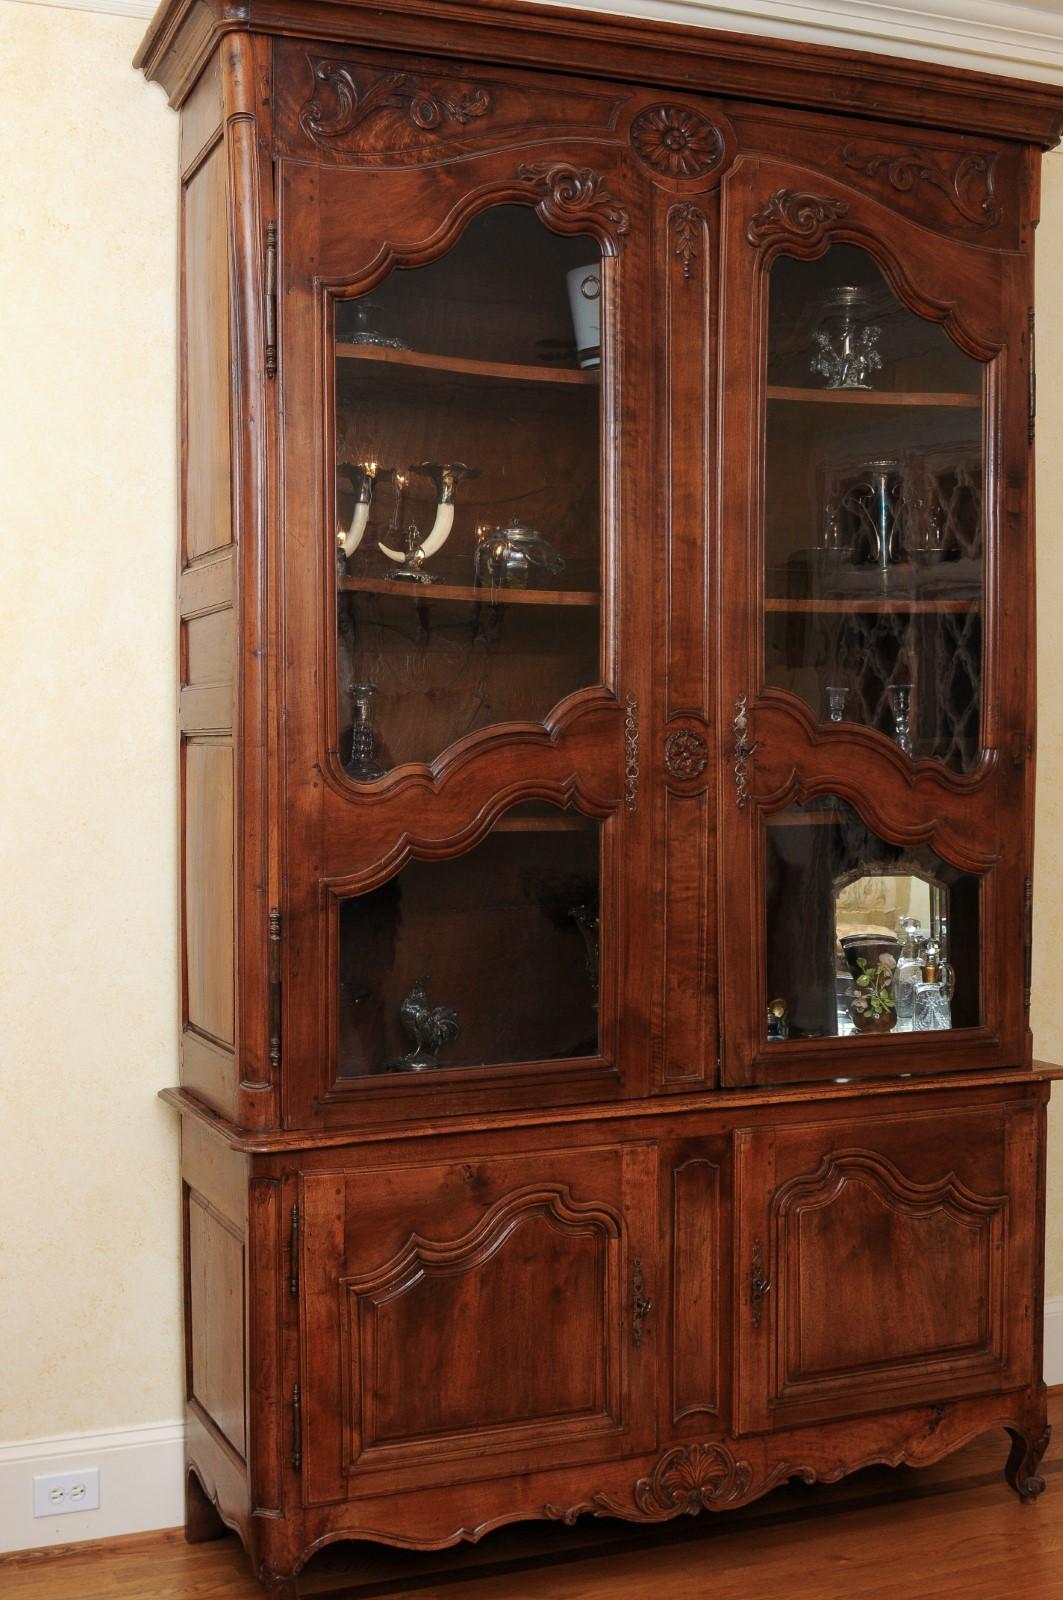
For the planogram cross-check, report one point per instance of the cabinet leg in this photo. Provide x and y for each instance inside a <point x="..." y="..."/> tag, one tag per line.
<point x="1021" y="1471"/>
<point x="276" y="1585"/>
<point x="202" y="1521"/>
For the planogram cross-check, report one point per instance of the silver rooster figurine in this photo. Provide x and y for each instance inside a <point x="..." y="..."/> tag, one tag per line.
<point x="430" y="1028"/>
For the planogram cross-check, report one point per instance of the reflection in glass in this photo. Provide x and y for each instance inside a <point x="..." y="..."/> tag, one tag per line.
<point x="874" y="518"/>
<point x="864" y="936"/>
<point x="492" y="957"/>
<point x="467" y="490"/>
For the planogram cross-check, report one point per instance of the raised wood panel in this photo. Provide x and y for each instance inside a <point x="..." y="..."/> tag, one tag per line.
<point x="206" y="709"/>
<point x="209" y="648"/>
<point x="422" y="1330"/>
<point x="208" y="584"/>
<point x="697" y="1274"/>
<point x="201" y="117"/>
<point x="877" y="1272"/>
<point x="216" y="1319"/>
<point x="208" y="1070"/>
<point x="206" y="476"/>
<point x="687" y="1038"/>
<point x="209" y="820"/>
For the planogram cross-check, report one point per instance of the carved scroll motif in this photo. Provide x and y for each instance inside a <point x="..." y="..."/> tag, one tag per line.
<point x="789" y="214"/>
<point x="573" y="194"/>
<point x="425" y="105"/>
<point x="969" y="184"/>
<point x="677" y="142"/>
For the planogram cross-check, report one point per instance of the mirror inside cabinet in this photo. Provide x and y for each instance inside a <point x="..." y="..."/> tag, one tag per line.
<point x="863" y="936"/>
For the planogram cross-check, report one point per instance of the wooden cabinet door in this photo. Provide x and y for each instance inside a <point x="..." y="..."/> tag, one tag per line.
<point x="474" y="1318"/>
<point x="884" y="1263"/>
<point x="876" y="644"/>
<point x="468" y="849"/>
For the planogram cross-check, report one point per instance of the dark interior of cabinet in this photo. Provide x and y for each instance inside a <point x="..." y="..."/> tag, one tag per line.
<point x="505" y="937"/>
<point x="490" y="379"/>
<point x="810" y="850"/>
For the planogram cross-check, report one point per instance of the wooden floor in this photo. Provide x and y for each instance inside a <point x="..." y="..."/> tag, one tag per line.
<point x="950" y="1532"/>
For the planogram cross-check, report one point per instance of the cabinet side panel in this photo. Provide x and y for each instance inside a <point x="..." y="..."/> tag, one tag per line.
<point x="206" y="496"/>
<point x="208" y="888"/>
<point x="216" y="1319"/>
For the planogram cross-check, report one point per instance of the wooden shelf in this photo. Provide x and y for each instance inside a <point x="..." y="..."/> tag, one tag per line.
<point x="559" y="824"/>
<point x="462" y="591"/>
<point x="461" y="367"/>
<point x="871" y="397"/>
<point x="875" y="605"/>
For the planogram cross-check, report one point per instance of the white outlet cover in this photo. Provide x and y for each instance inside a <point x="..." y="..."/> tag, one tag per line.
<point x="56" y="1493"/>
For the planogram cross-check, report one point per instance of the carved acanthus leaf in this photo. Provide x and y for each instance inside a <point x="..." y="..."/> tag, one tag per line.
<point x="573" y="194"/>
<point x="337" y="105"/>
<point x="798" y="216"/>
<point x="968" y="184"/>
<point x="689" y="225"/>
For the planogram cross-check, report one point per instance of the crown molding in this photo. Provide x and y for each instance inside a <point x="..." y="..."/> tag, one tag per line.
<point x="1003" y="36"/>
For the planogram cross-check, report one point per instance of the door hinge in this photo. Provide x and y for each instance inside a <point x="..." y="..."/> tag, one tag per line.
<point x="1028" y="935"/>
<point x="271" y="300"/>
<point x="1032" y="353"/>
<point x="274" y="987"/>
<point x="293" y="1274"/>
<point x="297" y="1430"/>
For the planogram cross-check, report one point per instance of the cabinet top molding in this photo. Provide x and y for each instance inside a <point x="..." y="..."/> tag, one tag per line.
<point x="183" y="34"/>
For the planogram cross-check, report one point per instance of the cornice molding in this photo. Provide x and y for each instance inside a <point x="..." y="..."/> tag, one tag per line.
<point x="1024" y="40"/>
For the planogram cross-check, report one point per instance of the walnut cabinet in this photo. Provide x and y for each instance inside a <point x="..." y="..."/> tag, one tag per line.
<point x="607" y="734"/>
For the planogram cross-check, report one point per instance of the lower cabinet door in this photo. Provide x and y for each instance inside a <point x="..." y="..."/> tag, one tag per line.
<point x="884" y="1263"/>
<point x="462" y="1319"/>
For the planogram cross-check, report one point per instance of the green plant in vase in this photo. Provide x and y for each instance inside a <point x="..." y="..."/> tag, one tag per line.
<point x="872" y="1006"/>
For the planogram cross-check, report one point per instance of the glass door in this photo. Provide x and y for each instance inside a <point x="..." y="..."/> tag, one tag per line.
<point x="455" y="585"/>
<point x="880" y="835"/>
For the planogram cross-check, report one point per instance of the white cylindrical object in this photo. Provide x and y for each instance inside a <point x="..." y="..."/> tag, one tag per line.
<point x="440" y="531"/>
<point x="356" y="532"/>
<point x="585" y="299"/>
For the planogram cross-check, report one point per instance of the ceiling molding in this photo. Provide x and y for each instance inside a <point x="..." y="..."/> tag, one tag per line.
<point x="1005" y="36"/>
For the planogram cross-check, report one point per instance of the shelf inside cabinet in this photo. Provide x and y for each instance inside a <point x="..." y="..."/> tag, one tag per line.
<point x="429" y="366"/>
<point x="873" y="605"/>
<point x="872" y="397"/>
<point x="467" y="591"/>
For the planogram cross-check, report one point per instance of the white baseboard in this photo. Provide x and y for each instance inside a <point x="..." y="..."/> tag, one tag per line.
<point x="141" y="1485"/>
<point x="1054" y="1341"/>
<point x="142" y="1473"/>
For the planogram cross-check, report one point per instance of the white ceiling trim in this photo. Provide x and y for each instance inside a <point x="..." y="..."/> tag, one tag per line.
<point x="1020" y="39"/>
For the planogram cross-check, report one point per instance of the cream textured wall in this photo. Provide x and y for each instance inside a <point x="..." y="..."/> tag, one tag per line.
<point x="89" y="1313"/>
<point x="89" y="1316"/>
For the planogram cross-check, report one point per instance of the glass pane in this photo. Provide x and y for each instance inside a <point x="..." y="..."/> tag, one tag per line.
<point x="864" y="936"/>
<point x="489" y="958"/>
<point x="467" y="503"/>
<point x="874" y="509"/>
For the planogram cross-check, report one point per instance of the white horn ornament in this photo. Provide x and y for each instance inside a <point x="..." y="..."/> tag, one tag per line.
<point x="365" y="473"/>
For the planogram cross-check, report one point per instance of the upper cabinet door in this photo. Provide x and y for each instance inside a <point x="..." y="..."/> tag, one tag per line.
<point x="876" y="449"/>
<point x="464" y="359"/>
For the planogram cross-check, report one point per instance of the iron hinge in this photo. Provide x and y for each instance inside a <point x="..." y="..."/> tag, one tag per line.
<point x="271" y="300"/>
<point x="293" y="1273"/>
<point x="1028" y="935"/>
<point x="1032" y="352"/>
<point x="297" y="1430"/>
<point x="274" y="987"/>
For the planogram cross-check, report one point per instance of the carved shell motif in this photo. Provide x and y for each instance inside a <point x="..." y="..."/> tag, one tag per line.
<point x="686" y="1480"/>
<point x="794" y="215"/>
<point x="677" y="142"/>
<point x="342" y="106"/>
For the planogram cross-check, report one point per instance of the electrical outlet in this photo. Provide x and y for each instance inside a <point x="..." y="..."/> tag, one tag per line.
<point x="56" y="1493"/>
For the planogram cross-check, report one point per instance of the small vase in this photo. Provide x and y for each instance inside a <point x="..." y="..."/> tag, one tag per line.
<point x="868" y="1022"/>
